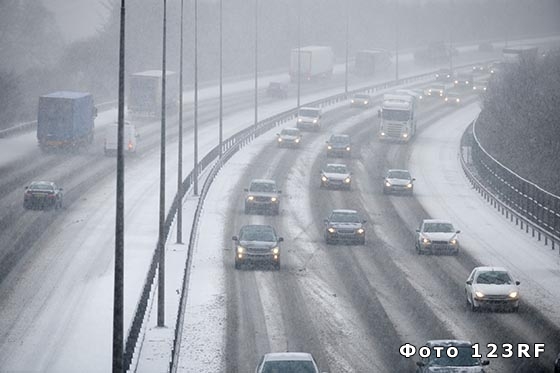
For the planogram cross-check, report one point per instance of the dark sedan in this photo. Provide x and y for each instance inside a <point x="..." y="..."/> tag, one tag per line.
<point x="345" y="226"/>
<point x="42" y="194"/>
<point x="339" y="146"/>
<point x="257" y="243"/>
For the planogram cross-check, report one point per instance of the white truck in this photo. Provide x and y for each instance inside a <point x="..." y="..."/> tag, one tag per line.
<point x="144" y="93"/>
<point x="315" y="62"/>
<point x="130" y="139"/>
<point x="397" y="117"/>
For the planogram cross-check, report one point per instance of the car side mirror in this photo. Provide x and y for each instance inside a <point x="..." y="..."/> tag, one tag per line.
<point x="364" y="221"/>
<point x="281" y="239"/>
<point x="246" y="189"/>
<point x="26" y="187"/>
<point x="485" y="362"/>
<point x="325" y="221"/>
<point x="458" y="231"/>
<point x="235" y="238"/>
<point x="279" y="192"/>
<point x="413" y="179"/>
<point x="60" y="189"/>
<point x="468" y="282"/>
<point x="517" y="282"/>
<point x="420" y="363"/>
<point x="418" y="230"/>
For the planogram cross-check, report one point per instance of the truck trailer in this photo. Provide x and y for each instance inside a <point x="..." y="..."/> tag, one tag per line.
<point x="397" y="117"/>
<point x="65" y="120"/>
<point x="315" y="62"/>
<point x="144" y="93"/>
<point x="370" y="62"/>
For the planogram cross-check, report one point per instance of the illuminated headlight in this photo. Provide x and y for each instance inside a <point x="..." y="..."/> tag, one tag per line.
<point x="513" y="295"/>
<point x="409" y="185"/>
<point x="405" y="135"/>
<point x="297" y="140"/>
<point x="324" y="178"/>
<point x="426" y="241"/>
<point x="300" y="120"/>
<point x="387" y="184"/>
<point x="279" y="139"/>
<point x="331" y="230"/>
<point x="382" y="133"/>
<point x="250" y="198"/>
<point x="366" y="102"/>
<point x="440" y="93"/>
<point x="276" y="251"/>
<point x="479" y="294"/>
<point x="347" y="148"/>
<point x="467" y="82"/>
<point x="240" y="249"/>
<point x="329" y="147"/>
<point x="437" y="76"/>
<point x="347" y="180"/>
<point x="456" y="82"/>
<point x="314" y="120"/>
<point x="446" y="99"/>
<point x="273" y="199"/>
<point x="430" y="91"/>
<point x="360" y="231"/>
<point x="453" y="241"/>
<point x="484" y="89"/>
<point x="458" y="100"/>
<point x="352" y="101"/>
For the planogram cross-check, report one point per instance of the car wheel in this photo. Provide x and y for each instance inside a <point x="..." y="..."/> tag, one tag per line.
<point x="473" y="307"/>
<point x="328" y="241"/>
<point x="277" y="265"/>
<point x="247" y="209"/>
<point x="276" y="210"/>
<point x="418" y="250"/>
<point x="515" y="309"/>
<point x="362" y="241"/>
<point x="237" y="265"/>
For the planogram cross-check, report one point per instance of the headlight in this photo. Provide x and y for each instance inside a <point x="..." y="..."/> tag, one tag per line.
<point x="387" y="184"/>
<point x="240" y="249"/>
<point x="273" y="199"/>
<point x="347" y="148"/>
<point x="366" y="102"/>
<point x="425" y="241"/>
<point x="409" y="185"/>
<point x="405" y="135"/>
<point x="279" y="139"/>
<point x="453" y="241"/>
<point x="446" y="99"/>
<point x="513" y="294"/>
<point x="382" y="133"/>
<point x="331" y="230"/>
<point x="458" y="100"/>
<point x="250" y="198"/>
<point x="300" y="120"/>
<point x="276" y="251"/>
<point x="314" y="120"/>
<point x="352" y="101"/>
<point x="324" y="178"/>
<point x="347" y="180"/>
<point x="479" y="294"/>
<point x="456" y="82"/>
<point x="360" y="231"/>
<point x="297" y="140"/>
<point x="329" y="147"/>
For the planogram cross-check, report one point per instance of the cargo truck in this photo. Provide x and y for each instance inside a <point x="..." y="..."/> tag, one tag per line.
<point x="65" y="120"/>
<point x="397" y="117"/>
<point x="315" y="62"/>
<point x="144" y="93"/>
<point x="369" y="62"/>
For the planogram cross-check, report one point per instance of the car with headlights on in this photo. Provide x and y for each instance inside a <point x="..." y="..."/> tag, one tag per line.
<point x="492" y="287"/>
<point x="361" y="100"/>
<point x="453" y="97"/>
<point x="336" y="176"/>
<point x="262" y="196"/>
<point x="436" y="236"/>
<point x="339" y="145"/>
<point x="399" y="181"/>
<point x="439" y="360"/>
<point x="444" y="75"/>
<point x="345" y="226"/>
<point x="289" y="137"/>
<point x="309" y="118"/>
<point x="287" y="362"/>
<point x="480" y="85"/>
<point x="41" y="195"/>
<point x="463" y="81"/>
<point x="435" y="90"/>
<point x="257" y="244"/>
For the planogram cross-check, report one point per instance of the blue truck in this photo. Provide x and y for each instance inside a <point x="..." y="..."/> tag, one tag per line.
<point x="65" y="120"/>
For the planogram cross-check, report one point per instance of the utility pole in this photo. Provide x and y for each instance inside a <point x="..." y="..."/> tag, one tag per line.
<point x="221" y="81"/>
<point x="180" y="155"/>
<point x="195" y="169"/>
<point x="256" y="62"/>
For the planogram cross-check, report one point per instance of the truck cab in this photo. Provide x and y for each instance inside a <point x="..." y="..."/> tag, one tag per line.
<point x="397" y="117"/>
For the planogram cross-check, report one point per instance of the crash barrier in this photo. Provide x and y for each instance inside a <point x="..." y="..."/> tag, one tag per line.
<point x="532" y="208"/>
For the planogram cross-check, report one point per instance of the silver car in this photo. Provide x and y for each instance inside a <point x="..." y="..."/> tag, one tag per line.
<point x="463" y="362"/>
<point x="345" y="226"/>
<point x="257" y="243"/>
<point x="336" y="175"/>
<point x="289" y="137"/>
<point x="437" y="236"/>
<point x="300" y="362"/>
<point x="492" y="287"/>
<point x="399" y="181"/>
<point x="361" y="100"/>
<point x="262" y="196"/>
<point x="309" y="118"/>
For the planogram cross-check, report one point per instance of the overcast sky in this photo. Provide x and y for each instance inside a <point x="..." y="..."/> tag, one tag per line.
<point x="77" y="19"/>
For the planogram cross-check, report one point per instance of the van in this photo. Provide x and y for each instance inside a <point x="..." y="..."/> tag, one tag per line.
<point x="130" y="138"/>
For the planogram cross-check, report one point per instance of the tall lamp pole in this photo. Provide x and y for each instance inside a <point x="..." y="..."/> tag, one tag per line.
<point x="397" y="42"/>
<point x="118" y="303"/>
<point x="180" y="155"/>
<point x="299" y="53"/>
<point x="161" y="243"/>
<point x="256" y="61"/>
<point x="347" y="41"/>
<point x="195" y="169"/>
<point x="221" y="81"/>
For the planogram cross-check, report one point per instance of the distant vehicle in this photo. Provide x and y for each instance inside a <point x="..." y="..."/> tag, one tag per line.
<point x="336" y="175"/>
<point x="345" y="226"/>
<point x="435" y="90"/>
<point x="361" y="100"/>
<point x="129" y="139"/>
<point x="463" y="81"/>
<point x="492" y="287"/>
<point x="314" y="62"/>
<point x="398" y="117"/>
<point x="444" y="75"/>
<point x="65" y="120"/>
<point x="257" y="243"/>
<point x="42" y="194"/>
<point x="287" y="362"/>
<point x="437" y="236"/>
<point x="496" y="67"/>
<point x="453" y="97"/>
<point x="144" y="93"/>
<point x="277" y="89"/>
<point x="480" y="85"/>
<point x="479" y="68"/>
<point x="262" y="195"/>
<point x="463" y="362"/>
<point x="339" y="145"/>
<point x="520" y="53"/>
<point x="369" y="62"/>
<point x="289" y="137"/>
<point x="309" y="118"/>
<point x="396" y="180"/>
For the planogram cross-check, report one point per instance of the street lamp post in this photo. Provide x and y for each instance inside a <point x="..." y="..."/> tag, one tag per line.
<point x="347" y="41"/>
<point x="299" y="53"/>
<point x="180" y="152"/>
<point x="256" y="61"/>
<point x="195" y="169"/>
<point x="221" y="80"/>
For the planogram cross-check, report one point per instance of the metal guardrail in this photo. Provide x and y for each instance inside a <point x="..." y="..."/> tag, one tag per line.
<point x="532" y="208"/>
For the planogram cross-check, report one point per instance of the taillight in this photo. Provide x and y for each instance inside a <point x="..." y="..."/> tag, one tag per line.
<point x="51" y="195"/>
<point x="130" y="145"/>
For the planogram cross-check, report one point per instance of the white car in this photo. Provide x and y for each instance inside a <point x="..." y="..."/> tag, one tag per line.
<point x="336" y="175"/>
<point x="289" y="137"/>
<point x="492" y="287"/>
<point x="398" y="181"/>
<point x="309" y="118"/>
<point x="437" y="236"/>
<point x="287" y="362"/>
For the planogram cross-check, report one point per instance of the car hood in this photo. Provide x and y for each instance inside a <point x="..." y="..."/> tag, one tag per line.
<point x="398" y="181"/>
<point x="335" y="224"/>
<point x="493" y="289"/>
<point x="289" y="137"/>
<point x="307" y="118"/>
<point x="335" y="176"/>
<point x="262" y="194"/>
<point x="258" y="244"/>
<point x="339" y="145"/>
<point x="475" y="369"/>
<point x="439" y="236"/>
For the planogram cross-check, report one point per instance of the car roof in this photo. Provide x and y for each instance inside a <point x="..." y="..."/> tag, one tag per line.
<point x="263" y="181"/>
<point x="42" y="182"/>
<point x="342" y="135"/>
<point x="436" y="221"/>
<point x="344" y="211"/>
<point x="290" y="129"/>
<point x="397" y="170"/>
<point x="449" y="343"/>
<point x="335" y="165"/>
<point x="288" y="356"/>
<point x="361" y="94"/>
<point x="257" y="227"/>
<point x="309" y="108"/>
<point x="490" y="269"/>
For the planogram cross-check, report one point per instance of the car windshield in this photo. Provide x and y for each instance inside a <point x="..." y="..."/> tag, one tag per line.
<point x="41" y="186"/>
<point x="463" y="359"/>
<point x="437" y="88"/>
<point x="289" y="367"/>
<point x="256" y="233"/>
<point x="365" y="97"/>
<point x="439" y="227"/>
<point x="398" y="175"/>
<point x="263" y="187"/>
<point x="494" y="277"/>
<point x="345" y="217"/>
<point x="308" y="113"/>
<point x="400" y="115"/>
<point x="339" y="139"/>
<point x="290" y="132"/>
<point x="336" y="169"/>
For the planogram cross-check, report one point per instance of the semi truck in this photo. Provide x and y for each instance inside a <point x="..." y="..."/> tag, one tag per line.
<point x="65" y="120"/>
<point x="397" y="117"/>
<point x="314" y="62"/>
<point x="369" y="62"/>
<point x="144" y="93"/>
